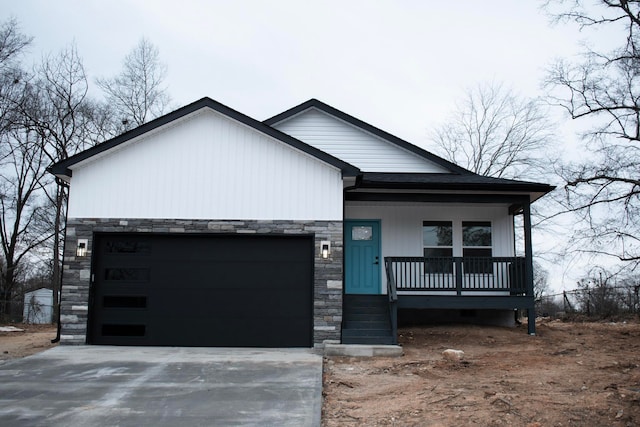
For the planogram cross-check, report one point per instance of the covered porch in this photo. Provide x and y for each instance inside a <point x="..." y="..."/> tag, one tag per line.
<point x="468" y="262"/>
<point x="498" y="283"/>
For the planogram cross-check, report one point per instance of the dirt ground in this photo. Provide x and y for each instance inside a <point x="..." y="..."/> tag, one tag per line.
<point x="34" y="339"/>
<point x="570" y="374"/>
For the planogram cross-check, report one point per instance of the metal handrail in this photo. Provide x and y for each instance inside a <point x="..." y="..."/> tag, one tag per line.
<point x="391" y="283"/>
<point x="459" y="274"/>
<point x="393" y="301"/>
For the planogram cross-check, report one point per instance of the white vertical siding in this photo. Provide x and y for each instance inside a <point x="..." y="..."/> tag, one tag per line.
<point x="401" y="225"/>
<point x="353" y="145"/>
<point x="206" y="166"/>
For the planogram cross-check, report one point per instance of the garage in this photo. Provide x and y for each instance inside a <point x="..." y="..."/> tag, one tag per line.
<point x="201" y="290"/>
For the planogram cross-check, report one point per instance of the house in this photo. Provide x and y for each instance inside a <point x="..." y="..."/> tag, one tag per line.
<point x="206" y="227"/>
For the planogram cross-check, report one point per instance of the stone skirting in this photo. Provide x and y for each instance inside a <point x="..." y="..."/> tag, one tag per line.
<point x="327" y="312"/>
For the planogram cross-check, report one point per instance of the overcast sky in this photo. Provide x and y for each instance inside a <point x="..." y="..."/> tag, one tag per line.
<point x="398" y="65"/>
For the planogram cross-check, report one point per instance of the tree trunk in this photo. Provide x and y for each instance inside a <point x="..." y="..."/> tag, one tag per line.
<point x="8" y="279"/>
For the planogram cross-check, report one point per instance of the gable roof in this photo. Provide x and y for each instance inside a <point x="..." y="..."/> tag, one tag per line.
<point x="460" y="179"/>
<point x="321" y="106"/>
<point x="62" y="168"/>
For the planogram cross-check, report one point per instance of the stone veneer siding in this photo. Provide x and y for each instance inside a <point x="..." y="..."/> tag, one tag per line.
<point x="327" y="311"/>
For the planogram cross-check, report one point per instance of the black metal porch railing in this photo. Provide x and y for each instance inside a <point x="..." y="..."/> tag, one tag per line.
<point x="458" y="274"/>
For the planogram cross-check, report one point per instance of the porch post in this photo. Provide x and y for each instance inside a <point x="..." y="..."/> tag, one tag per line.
<point x="528" y="267"/>
<point x="457" y="261"/>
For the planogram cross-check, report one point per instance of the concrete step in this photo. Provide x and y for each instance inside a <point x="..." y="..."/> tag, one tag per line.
<point x="363" y="350"/>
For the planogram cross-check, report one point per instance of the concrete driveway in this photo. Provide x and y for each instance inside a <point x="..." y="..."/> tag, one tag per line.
<point x="162" y="386"/>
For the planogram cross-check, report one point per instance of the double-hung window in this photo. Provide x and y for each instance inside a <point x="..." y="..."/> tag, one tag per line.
<point x="476" y="243"/>
<point x="437" y="238"/>
<point x="471" y="239"/>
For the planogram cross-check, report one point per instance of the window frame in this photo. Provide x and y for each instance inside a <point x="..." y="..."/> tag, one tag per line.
<point x="458" y="248"/>
<point x="477" y="266"/>
<point x="440" y="266"/>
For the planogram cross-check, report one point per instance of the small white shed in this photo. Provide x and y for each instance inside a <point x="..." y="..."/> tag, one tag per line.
<point x="38" y="306"/>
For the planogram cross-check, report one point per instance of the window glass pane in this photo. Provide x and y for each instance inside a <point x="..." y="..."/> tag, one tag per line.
<point x="476" y="234"/>
<point x="361" y="233"/>
<point x="437" y="233"/>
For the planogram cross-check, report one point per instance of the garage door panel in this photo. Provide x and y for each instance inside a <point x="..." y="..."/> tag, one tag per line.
<point x="227" y="248"/>
<point x="246" y="333"/>
<point x="243" y="275"/>
<point x="257" y="303"/>
<point x="118" y="318"/>
<point x="202" y="290"/>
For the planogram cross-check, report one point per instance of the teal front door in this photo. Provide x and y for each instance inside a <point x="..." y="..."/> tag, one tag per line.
<point x="362" y="257"/>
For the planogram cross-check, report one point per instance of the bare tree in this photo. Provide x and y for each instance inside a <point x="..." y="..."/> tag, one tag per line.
<point x="21" y="165"/>
<point x="495" y="132"/>
<point x="603" y="90"/>
<point x="137" y="94"/>
<point x="540" y="280"/>
<point x="12" y="45"/>
<point x="23" y="226"/>
<point x="63" y="121"/>
<point x="45" y="117"/>
<point x="63" y="88"/>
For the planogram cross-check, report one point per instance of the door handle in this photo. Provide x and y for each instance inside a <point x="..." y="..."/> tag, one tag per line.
<point x="377" y="261"/>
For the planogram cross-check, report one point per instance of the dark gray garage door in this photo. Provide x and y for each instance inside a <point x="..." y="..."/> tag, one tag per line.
<point x="202" y="290"/>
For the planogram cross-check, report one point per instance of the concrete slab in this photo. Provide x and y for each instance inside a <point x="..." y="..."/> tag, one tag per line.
<point x="162" y="386"/>
<point x="362" y="350"/>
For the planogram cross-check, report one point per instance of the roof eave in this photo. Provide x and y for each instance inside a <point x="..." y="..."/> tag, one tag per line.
<point x="63" y="168"/>
<point x="524" y="187"/>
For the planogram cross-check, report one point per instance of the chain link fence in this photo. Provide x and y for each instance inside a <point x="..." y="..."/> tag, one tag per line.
<point x="594" y="302"/>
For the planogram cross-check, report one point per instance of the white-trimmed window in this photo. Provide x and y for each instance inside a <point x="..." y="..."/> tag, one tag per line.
<point x="477" y="243"/>
<point x="437" y="241"/>
<point x="469" y="239"/>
